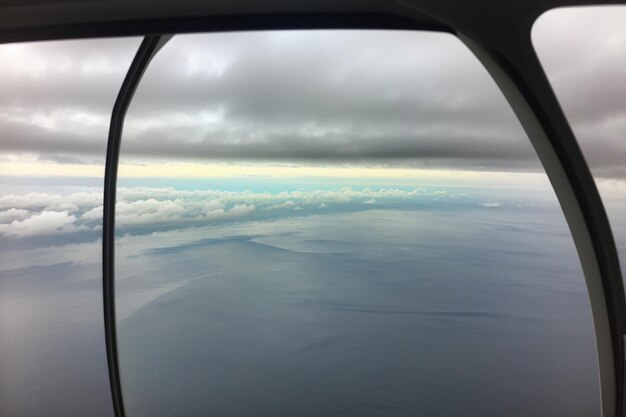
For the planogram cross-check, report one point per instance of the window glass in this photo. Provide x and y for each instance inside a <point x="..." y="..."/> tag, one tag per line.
<point x="341" y="223"/>
<point x="583" y="52"/>
<point x="55" y="110"/>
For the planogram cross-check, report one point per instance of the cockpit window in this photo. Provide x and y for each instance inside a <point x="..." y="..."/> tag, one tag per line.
<point x="341" y="223"/>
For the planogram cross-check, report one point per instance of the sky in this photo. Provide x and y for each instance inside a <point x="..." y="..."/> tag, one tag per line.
<point x="311" y="99"/>
<point x="583" y="51"/>
<point x="411" y="110"/>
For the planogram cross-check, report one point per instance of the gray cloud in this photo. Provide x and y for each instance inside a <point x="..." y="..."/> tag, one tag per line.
<point x="324" y="96"/>
<point x="78" y="74"/>
<point x="57" y="97"/>
<point x="583" y="51"/>
<point x="317" y="96"/>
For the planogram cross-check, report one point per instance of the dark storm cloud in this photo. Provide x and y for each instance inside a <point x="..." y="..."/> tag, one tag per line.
<point x="318" y="96"/>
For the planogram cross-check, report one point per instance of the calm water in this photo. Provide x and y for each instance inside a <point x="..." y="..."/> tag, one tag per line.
<point x="415" y="304"/>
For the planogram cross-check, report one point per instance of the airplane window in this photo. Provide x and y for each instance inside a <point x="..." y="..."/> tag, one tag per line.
<point x="337" y="223"/>
<point x="583" y="51"/>
<point x="55" y="105"/>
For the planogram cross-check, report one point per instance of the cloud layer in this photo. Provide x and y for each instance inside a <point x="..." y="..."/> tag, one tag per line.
<point x="145" y="209"/>
<point x="399" y="97"/>
<point x="393" y="97"/>
<point x="57" y="97"/>
<point x="323" y="96"/>
<point x="583" y="51"/>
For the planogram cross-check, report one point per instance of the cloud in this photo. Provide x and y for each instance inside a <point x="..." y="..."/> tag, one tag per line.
<point x="57" y="96"/>
<point x="50" y="201"/>
<point x="589" y="80"/>
<point x="240" y="210"/>
<point x="178" y="212"/>
<point x="212" y="205"/>
<point x="490" y="204"/>
<point x="52" y="76"/>
<point x="148" y="211"/>
<point x="93" y="214"/>
<point x="398" y="98"/>
<point x="44" y="223"/>
<point x="232" y="96"/>
<point x="13" y="214"/>
<point x="143" y="208"/>
<point x="394" y="97"/>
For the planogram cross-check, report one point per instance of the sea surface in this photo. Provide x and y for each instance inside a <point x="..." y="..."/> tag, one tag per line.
<point x="350" y="301"/>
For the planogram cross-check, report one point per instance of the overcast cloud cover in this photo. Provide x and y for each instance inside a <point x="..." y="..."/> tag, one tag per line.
<point x="320" y="96"/>
<point x="583" y="51"/>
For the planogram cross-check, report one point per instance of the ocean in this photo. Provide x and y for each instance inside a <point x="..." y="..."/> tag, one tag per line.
<point x="277" y="300"/>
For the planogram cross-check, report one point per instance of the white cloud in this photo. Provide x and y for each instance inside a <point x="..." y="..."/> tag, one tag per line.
<point x="490" y="204"/>
<point x="52" y="201"/>
<point x="93" y="214"/>
<point x="182" y="211"/>
<point x="212" y="215"/>
<point x="33" y="214"/>
<point x="147" y="212"/>
<point x="44" y="223"/>
<point x="70" y="207"/>
<point x="213" y="205"/>
<point x="13" y="214"/>
<point x="241" y="209"/>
